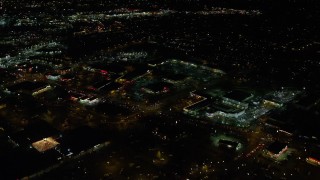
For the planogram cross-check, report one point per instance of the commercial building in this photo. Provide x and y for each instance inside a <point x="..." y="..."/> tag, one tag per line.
<point x="45" y="144"/>
<point x="174" y="78"/>
<point x="276" y="149"/>
<point x="229" y="142"/>
<point x="216" y="106"/>
<point x="278" y="98"/>
<point x="28" y="87"/>
<point x="238" y="95"/>
<point x="33" y="135"/>
<point x="158" y="88"/>
<point x="313" y="161"/>
<point x="314" y="157"/>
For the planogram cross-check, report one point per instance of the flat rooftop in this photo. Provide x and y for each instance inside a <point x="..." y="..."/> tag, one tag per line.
<point x="315" y="153"/>
<point x="159" y="86"/>
<point x="27" y="86"/>
<point x="176" y="77"/>
<point x="34" y="132"/>
<point x="45" y="144"/>
<point x="224" y="107"/>
<point x="237" y="95"/>
<point x="198" y="105"/>
<point x="276" y="147"/>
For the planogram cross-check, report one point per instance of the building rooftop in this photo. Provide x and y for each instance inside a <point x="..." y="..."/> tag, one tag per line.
<point x="159" y="86"/>
<point x="27" y="86"/>
<point x="228" y="144"/>
<point x="198" y="105"/>
<point x="276" y="147"/>
<point x="176" y="77"/>
<point x="45" y="144"/>
<point x="237" y="95"/>
<point x="33" y="132"/>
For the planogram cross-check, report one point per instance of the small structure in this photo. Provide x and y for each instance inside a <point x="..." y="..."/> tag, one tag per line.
<point x="53" y="77"/>
<point x="228" y="144"/>
<point x="90" y="101"/>
<point x="2" y="105"/>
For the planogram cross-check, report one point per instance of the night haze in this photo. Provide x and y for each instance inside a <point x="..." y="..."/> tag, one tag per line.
<point x="161" y="89"/>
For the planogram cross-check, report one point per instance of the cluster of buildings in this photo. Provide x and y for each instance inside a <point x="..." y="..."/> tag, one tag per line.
<point x="171" y="76"/>
<point x="78" y="62"/>
<point x="236" y="107"/>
